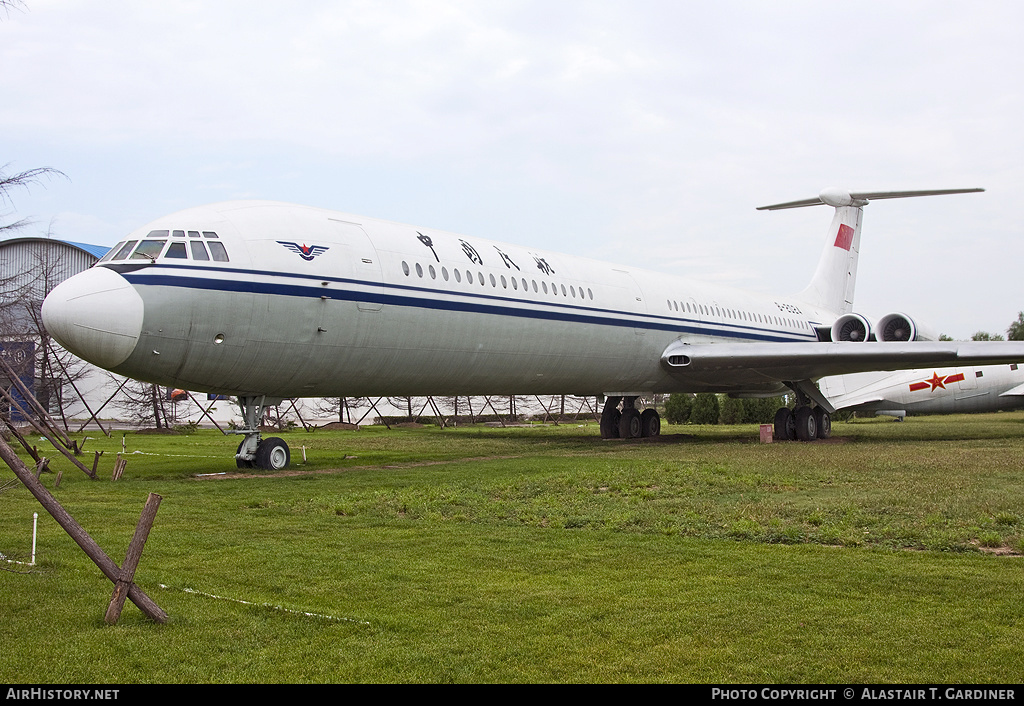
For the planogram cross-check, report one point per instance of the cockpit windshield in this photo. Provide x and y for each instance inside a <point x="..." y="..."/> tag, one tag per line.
<point x="148" y="249"/>
<point x="197" y="246"/>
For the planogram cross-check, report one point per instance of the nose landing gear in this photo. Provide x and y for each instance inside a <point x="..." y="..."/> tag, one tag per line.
<point x="269" y="454"/>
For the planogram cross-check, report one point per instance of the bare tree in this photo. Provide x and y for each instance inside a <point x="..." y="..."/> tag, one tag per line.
<point x="146" y="404"/>
<point x="8" y="5"/>
<point x="403" y="402"/>
<point x="343" y="407"/>
<point x="22" y="180"/>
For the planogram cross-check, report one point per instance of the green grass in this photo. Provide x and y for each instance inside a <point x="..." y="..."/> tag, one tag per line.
<point x="887" y="554"/>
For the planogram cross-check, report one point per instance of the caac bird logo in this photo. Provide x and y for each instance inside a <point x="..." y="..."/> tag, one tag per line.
<point x="306" y="252"/>
<point x="935" y="382"/>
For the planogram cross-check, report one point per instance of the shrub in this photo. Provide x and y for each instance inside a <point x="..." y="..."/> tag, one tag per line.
<point x="704" y="409"/>
<point x="677" y="407"/>
<point x="730" y="410"/>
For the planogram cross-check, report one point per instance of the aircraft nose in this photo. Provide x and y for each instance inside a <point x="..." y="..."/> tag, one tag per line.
<point x="97" y="315"/>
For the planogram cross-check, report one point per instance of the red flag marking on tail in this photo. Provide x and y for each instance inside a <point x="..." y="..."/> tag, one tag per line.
<point x="844" y="238"/>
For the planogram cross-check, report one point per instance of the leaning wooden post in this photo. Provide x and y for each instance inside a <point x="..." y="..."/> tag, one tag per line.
<point x="111" y="570"/>
<point x="131" y="559"/>
<point x="60" y="447"/>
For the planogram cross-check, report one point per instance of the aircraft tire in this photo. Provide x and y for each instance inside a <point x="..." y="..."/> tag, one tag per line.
<point x="239" y="462"/>
<point x="610" y="424"/>
<point x="785" y="425"/>
<point x="650" y="423"/>
<point x="806" y="425"/>
<point x="823" y="420"/>
<point x="630" y="424"/>
<point x="272" y="454"/>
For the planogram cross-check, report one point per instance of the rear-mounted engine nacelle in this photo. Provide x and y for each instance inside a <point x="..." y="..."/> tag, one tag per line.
<point x="900" y="327"/>
<point x="851" y="327"/>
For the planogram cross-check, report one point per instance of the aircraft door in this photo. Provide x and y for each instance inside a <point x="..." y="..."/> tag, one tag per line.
<point x="363" y="264"/>
<point x="969" y="381"/>
<point x="634" y="300"/>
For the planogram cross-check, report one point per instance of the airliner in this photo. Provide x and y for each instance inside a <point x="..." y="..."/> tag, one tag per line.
<point x="266" y="301"/>
<point x="987" y="388"/>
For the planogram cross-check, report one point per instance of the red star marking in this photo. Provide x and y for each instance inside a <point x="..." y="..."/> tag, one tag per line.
<point x="936" y="382"/>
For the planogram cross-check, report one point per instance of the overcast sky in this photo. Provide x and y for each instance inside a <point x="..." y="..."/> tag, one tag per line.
<point x="643" y="133"/>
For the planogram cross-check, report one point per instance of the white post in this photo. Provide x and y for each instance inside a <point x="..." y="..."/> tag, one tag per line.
<point x="35" y="524"/>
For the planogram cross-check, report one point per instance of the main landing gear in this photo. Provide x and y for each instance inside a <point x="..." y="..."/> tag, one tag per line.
<point x="804" y="423"/>
<point x="630" y="423"/>
<point x="270" y="454"/>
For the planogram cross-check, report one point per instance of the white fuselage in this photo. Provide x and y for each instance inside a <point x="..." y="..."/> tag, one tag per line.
<point x="988" y="388"/>
<point x="317" y="303"/>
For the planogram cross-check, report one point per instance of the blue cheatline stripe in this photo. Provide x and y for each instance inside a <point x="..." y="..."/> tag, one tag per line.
<point x="568" y="313"/>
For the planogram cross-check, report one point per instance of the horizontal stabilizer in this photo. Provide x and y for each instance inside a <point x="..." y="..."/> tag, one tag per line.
<point x="839" y="197"/>
<point x="1014" y="392"/>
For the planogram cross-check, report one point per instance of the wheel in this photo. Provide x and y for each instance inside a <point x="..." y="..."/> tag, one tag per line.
<point x="610" y="418"/>
<point x="630" y="425"/>
<point x="239" y="462"/>
<point x="610" y="424"/>
<point x="823" y="420"/>
<point x="806" y="427"/>
<point x="650" y="423"/>
<point x="785" y="425"/>
<point x="272" y="454"/>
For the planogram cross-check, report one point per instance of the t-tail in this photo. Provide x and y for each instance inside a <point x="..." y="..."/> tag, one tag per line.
<point x="834" y="280"/>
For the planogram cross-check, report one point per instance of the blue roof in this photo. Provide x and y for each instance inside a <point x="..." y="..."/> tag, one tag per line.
<point x="97" y="250"/>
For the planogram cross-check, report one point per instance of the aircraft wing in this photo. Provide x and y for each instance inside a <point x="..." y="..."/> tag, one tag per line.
<point x="1013" y="392"/>
<point x="756" y="364"/>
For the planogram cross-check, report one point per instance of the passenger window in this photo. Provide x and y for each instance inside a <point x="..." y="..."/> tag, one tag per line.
<point x="148" y="250"/>
<point x="198" y="250"/>
<point x="218" y="252"/>
<point x="177" y="251"/>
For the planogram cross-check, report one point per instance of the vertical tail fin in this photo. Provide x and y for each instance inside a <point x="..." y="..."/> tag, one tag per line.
<point x="835" y="278"/>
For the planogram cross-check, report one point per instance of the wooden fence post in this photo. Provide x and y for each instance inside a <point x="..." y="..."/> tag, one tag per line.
<point x="93" y="550"/>
<point x="131" y="558"/>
